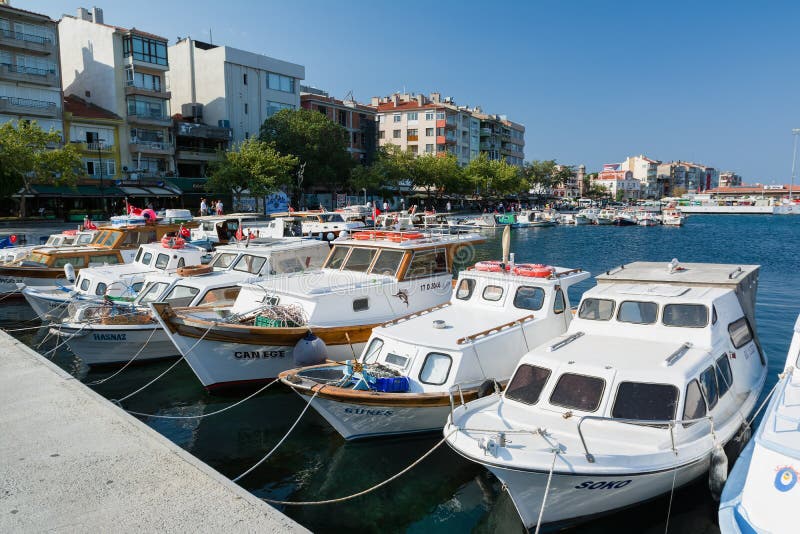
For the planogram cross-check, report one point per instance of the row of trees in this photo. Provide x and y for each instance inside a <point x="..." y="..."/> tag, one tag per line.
<point x="299" y="150"/>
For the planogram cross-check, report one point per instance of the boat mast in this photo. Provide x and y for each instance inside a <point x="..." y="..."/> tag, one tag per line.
<point x="795" y="131"/>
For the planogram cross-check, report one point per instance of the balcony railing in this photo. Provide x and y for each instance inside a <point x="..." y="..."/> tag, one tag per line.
<point x="132" y="89"/>
<point x="28" y="74"/>
<point x="138" y="145"/>
<point x="26" y="37"/>
<point x="26" y="105"/>
<point x="147" y="115"/>
<point x="412" y="138"/>
<point x="94" y="147"/>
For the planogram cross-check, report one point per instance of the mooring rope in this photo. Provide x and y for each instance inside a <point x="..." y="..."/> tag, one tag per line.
<point x="264" y="459"/>
<point x="769" y="395"/>
<point x="546" y="491"/>
<point x="368" y="490"/>
<point x="106" y="379"/>
<point x="201" y="416"/>
<point x="671" y="493"/>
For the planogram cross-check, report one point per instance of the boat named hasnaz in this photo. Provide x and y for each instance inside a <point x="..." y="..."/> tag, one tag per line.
<point x="402" y="381"/>
<point x="368" y="278"/>
<point x="656" y="374"/>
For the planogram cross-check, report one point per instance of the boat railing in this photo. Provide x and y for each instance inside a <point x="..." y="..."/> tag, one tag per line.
<point x="415" y="314"/>
<point x="497" y="328"/>
<point x="669" y="423"/>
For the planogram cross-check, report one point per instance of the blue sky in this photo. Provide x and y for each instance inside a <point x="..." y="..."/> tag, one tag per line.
<point x="593" y="81"/>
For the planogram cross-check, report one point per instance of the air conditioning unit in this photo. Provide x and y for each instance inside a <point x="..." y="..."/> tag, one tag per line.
<point x="192" y="111"/>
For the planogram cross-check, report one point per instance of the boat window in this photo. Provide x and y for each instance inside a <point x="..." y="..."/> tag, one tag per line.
<point x="152" y="292"/>
<point x="387" y="263"/>
<point x="435" y="369"/>
<point x="221" y="296"/>
<point x="100" y="238"/>
<point x="529" y="298"/>
<point x="708" y="383"/>
<point x="181" y="263"/>
<point x="396" y="359"/>
<point x="559" y="305"/>
<point x="724" y="374"/>
<point x="465" y="288"/>
<point x="146" y="237"/>
<point x="527" y="384"/>
<point x="162" y="261"/>
<point x="146" y="258"/>
<point x="139" y="254"/>
<point x="84" y="239"/>
<point x="287" y="265"/>
<point x="112" y="238"/>
<point x="634" y="311"/>
<point x="249" y="264"/>
<point x="359" y="260"/>
<point x="181" y="295"/>
<point x="427" y="263"/>
<point x="694" y="406"/>
<point x="578" y="392"/>
<point x="713" y="314"/>
<point x="652" y="402"/>
<point x="77" y="261"/>
<point x="101" y="289"/>
<point x="223" y="261"/>
<point x="104" y="259"/>
<point x="360" y="304"/>
<point x="685" y="315"/>
<point x="596" y="309"/>
<point x="128" y="238"/>
<point x="336" y="257"/>
<point x="373" y="350"/>
<point x="492" y="293"/>
<point x="37" y="258"/>
<point x="740" y="332"/>
<point x="84" y="284"/>
<point x="331" y="217"/>
<point x="137" y="287"/>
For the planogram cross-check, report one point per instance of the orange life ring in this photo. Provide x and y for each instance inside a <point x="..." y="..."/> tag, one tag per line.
<point x="70" y="232"/>
<point x="534" y="270"/>
<point x="492" y="266"/>
<point x="399" y="237"/>
<point x="194" y="270"/>
<point x="363" y="236"/>
<point x="172" y="242"/>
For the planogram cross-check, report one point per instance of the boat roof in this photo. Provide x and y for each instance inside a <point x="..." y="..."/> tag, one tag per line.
<point x="202" y="281"/>
<point x="321" y="281"/>
<point x="268" y="245"/>
<point x="659" y="293"/>
<point x="427" y="240"/>
<point x="563" y="276"/>
<point x="78" y="250"/>
<point x="645" y="359"/>
<point x="229" y="216"/>
<point x="700" y="274"/>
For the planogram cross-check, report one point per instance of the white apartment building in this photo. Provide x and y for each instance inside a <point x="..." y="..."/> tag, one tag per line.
<point x="123" y="71"/>
<point x="237" y="89"/>
<point x="619" y="182"/>
<point x="645" y="170"/>
<point x="30" y="81"/>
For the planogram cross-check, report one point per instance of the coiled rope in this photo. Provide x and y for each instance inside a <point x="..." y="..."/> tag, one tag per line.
<point x="368" y="490"/>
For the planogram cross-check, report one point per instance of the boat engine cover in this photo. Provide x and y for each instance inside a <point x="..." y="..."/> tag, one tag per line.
<point x="310" y="350"/>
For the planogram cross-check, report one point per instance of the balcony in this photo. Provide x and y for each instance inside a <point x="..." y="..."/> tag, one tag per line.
<point x="144" y="64"/>
<point x="27" y="42"/>
<point x="202" y="131"/>
<point x="151" y="147"/>
<point x="412" y="138"/>
<point x="94" y="147"/>
<point x="26" y="106"/>
<point x="28" y="74"/>
<point x="132" y="90"/>
<point x="198" y="154"/>
<point x="149" y="117"/>
<point x="485" y="132"/>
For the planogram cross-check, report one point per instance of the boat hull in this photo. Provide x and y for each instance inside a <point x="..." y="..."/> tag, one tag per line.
<point x="117" y="344"/>
<point x="576" y="497"/>
<point x="624" y="222"/>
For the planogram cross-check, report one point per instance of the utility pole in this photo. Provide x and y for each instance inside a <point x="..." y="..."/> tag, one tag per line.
<point x="795" y="132"/>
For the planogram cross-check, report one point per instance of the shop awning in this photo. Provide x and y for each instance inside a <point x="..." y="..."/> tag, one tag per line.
<point x="150" y="191"/>
<point x="195" y="186"/>
<point x="86" y="191"/>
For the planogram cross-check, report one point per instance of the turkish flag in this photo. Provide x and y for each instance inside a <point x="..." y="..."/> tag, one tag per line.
<point x="239" y="234"/>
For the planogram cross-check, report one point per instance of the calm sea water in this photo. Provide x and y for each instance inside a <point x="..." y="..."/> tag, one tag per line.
<point x="446" y="493"/>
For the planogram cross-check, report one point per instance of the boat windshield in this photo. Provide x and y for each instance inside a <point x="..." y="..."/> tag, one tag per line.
<point x="652" y="402"/>
<point x="100" y="238"/>
<point x="527" y="384"/>
<point x="151" y="292"/>
<point x="596" y="309"/>
<point x="223" y="260"/>
<point x="330" y="217"/>
<point x="181" y="295"/>
<point x="336" y="257"/>
<point x="35" y="257"/>
<point x="373" y="351"/>
<point x="249" y="264"/>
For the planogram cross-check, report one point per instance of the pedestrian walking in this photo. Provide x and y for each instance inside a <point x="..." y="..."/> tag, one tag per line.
<point x="219" y="207"/>
<point x="448" y="206"/>
<point x="203" y="207"/>
<point x="385" y="206"/>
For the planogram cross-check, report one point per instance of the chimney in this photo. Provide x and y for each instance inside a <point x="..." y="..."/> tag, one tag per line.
<point x="436" y="97"/>
<point x="375" y="101"/>
<point x="83" y="14"/>
<point x="395" y="99"/>
<point x="420" y="99"/>
<point x="97" y="15"/>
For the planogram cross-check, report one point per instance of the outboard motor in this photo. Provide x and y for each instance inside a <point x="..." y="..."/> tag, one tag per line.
<point x="310" y="350"/>
<point x="69" y="272"/>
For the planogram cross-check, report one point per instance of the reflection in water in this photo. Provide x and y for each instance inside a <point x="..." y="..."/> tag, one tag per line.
<point x="445" y="493"/>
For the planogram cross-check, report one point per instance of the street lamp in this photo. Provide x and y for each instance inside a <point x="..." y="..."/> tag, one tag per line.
<point x="795" y="132"/>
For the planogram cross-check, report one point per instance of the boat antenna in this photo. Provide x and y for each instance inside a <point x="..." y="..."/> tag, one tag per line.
<point x="506" y="243"/>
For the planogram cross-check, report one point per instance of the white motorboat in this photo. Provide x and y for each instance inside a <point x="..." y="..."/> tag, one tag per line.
<point x="67" y="238"/>
<point x="672" y="217"/>
<point x="587" y="216"/>
<point x="369" y="278"/>
<point x="647" y="218"/>
<point x="761" y="493"/>
<point x="402" y="380"/>
<point x="113" y="282"/>
<point x="324" y="225"/>
<point x="215" y="230"/>
<point x="606" y="216"/>
<point x="533" y="218"/>
<point x="94" y="332"/>
<point x="655" y="375"/>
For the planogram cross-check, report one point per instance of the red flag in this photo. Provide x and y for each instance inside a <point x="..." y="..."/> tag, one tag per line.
<point x="89" y="225"/>
<point x="185" y="233"/>
<point x="239" y="234"/>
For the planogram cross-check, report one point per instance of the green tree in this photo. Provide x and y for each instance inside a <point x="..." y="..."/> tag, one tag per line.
<point x="29" y="155"/>
<point x="494" y="177"/>
<point x="318" y="143"/>
<point x="437" y="174"/>
<point x="253" y="165"/>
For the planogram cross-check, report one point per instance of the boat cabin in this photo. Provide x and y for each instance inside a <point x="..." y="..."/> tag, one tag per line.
<point x="223" y="229"/>
<point x="325" y="225"/>
<point x="270" y="257"/>
<point x="57" y="258"/>
<point x="128" y="238"/>
<point x="219" y="290"/>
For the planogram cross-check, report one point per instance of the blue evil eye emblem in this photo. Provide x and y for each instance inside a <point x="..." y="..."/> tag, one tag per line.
<point x="785" y="479"/>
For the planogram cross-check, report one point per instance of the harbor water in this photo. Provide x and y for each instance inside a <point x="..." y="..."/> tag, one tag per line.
<point x="445" y="493"/>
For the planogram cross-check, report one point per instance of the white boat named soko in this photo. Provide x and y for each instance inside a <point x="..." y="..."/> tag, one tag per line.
<point x="761" y="494"/>
<point x="658" y="371"/>
<point x="97" y="333"/>
<point x="369" y="278"/>
<point x="402" y="381"/>
<point x="118" y="282"/>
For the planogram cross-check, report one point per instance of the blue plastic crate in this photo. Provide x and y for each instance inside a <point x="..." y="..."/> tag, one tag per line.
<point x="395" y="384"/>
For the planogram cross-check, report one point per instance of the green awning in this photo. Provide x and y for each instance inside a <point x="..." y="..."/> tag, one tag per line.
<point x="91" y="191"/>
<point x="189" y="185"/>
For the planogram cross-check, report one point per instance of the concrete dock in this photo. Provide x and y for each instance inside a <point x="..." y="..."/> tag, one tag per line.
<point x="71" y="461"/>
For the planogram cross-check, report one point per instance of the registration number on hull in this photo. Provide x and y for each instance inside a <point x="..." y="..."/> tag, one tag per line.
<point x="607" y="484"/>
<point x="259" y="354"/>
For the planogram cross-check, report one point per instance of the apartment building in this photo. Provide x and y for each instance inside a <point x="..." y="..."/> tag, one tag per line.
<point x="572" y="187"/>
<point x="238" y="89"/>
<point x="729" y="179"/>
<point x="357" y="119"/>
<point x="123" y="71"/>
<point x="435" y="125"/>
<point x="96" y="133"/>
<point x="645" y="170"/>
<point x="30" y="80"/>
<point x="619" y="182"/>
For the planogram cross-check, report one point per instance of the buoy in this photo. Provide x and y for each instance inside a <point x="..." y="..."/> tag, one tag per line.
<point x="310" y="350"/>
<point x="717" y="471"/>
<point x="69" y="273"/>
